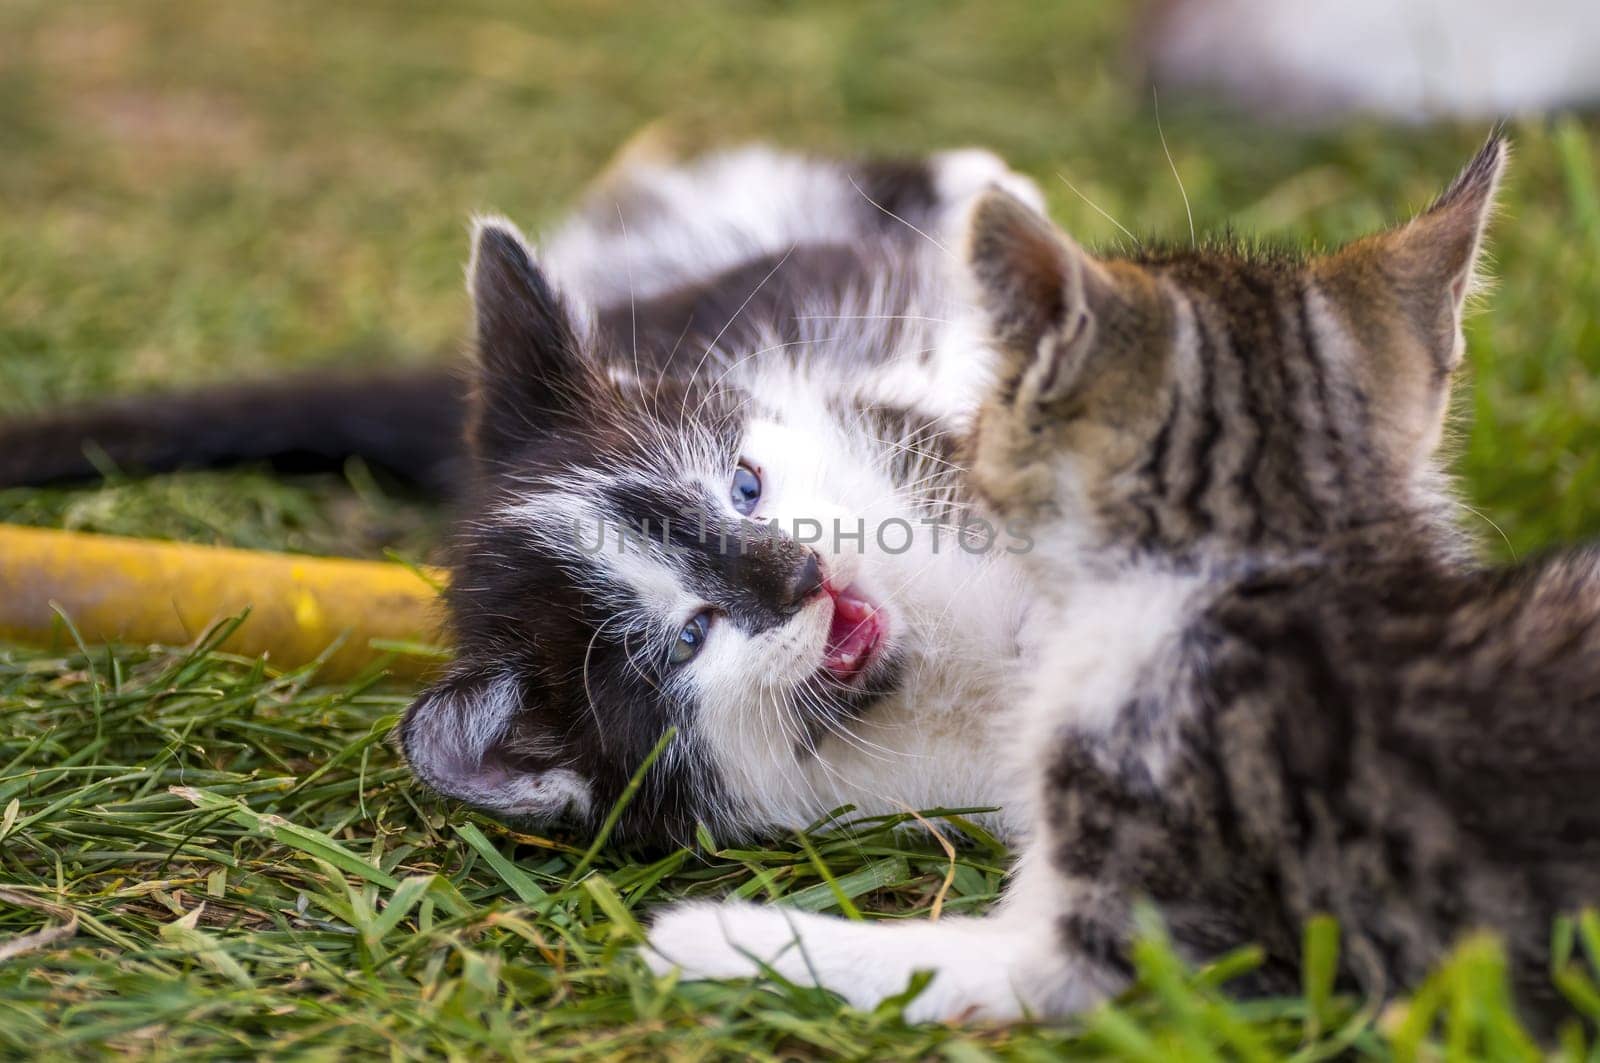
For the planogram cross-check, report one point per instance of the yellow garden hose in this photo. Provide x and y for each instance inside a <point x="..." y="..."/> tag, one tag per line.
<point x="135" y="591"/>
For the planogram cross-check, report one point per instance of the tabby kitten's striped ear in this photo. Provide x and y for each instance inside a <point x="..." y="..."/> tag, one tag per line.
<point x="1401" y="293"/>
<point x="1426" y="268"/>
<point x="1448" y="237"/>
<point x="1039" y="290"/>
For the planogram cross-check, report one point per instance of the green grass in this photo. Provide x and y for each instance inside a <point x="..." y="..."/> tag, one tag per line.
<point x="194" y="192"/>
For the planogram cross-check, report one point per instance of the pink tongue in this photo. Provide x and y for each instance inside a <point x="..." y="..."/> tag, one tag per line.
<point x="851" y="634"/>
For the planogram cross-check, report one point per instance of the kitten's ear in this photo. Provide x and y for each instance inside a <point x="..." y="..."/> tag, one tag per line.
<point x="1428" y="266"/>
<point x="460" y="737"/>
<point x="1445" y="240"/>
<point x="531" y="360"/>
<point x="1038" y="289"/>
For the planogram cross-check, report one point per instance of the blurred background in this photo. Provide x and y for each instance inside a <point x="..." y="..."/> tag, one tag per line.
<point x="192" y="192"/>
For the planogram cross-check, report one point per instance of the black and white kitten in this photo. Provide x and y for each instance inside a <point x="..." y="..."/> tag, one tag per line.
<point x="738" y="355"/>
<point x="1267" y="684"/>
<point x="730" y="355"/>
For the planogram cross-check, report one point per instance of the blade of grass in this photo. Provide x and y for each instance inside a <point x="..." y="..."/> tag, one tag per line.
<point x="311" y="842"/>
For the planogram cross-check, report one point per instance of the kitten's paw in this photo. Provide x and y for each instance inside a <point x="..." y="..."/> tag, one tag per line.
<point x="855" y="960"/>
<point x="714" y="941"/>
<point x="863" y="962"/>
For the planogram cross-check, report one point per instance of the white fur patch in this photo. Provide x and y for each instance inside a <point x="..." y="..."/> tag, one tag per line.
<point x="1100" y="645"/>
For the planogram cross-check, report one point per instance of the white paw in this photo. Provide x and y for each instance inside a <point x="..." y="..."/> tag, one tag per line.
<point x="722" y="941"/>
<point x="736" y="940"/>
<point x="865" y="963"/>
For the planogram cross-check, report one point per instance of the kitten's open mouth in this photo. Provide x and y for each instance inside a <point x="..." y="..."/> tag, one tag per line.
<point x="854" y="634"/>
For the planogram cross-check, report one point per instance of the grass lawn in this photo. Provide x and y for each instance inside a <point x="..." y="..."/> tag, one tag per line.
<point x="193" y="192"/>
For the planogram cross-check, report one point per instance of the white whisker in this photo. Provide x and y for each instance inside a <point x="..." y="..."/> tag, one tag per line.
<point x="1163" y="135"/>
<point x="1098" y="210"/>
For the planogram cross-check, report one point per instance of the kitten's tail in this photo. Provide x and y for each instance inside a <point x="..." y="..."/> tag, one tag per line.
<point x="409" y="423"/>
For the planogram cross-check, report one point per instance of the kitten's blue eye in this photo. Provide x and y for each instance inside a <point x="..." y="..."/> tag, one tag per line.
<point x="745" y="491"/>
<point x="690" y="640"/>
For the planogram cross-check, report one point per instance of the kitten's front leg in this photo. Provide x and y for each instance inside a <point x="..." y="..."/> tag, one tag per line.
<point x="997" y="968"/>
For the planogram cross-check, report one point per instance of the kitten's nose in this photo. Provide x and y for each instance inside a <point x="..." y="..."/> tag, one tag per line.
<point x="806" y="583"/>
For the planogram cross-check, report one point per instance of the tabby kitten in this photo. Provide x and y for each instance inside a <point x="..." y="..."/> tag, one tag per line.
<point x="1266" y="683"/>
